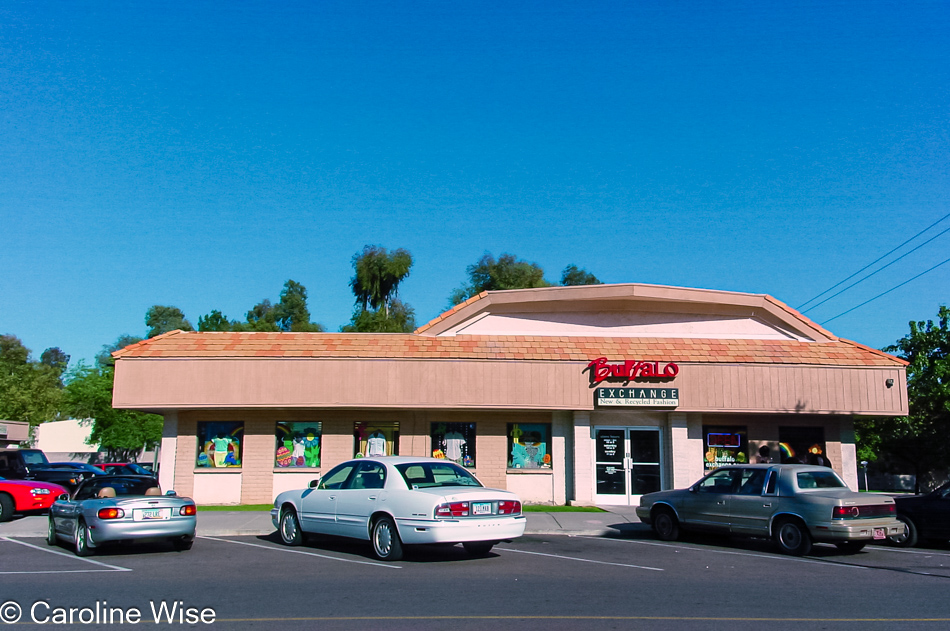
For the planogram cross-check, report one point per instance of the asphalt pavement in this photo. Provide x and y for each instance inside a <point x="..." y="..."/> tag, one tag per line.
<point x="615" y="520"/>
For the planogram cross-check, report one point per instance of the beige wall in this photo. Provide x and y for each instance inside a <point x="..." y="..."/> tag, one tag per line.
<point x="180" y="384"/>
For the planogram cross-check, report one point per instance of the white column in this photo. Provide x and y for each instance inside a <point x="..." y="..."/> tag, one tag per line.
<point x="685" y="449"/>
<point x="561" y="427"/>
<point x="849" y="454"/>
<point x="166" y="472"/>
<point x="583" y="459"/>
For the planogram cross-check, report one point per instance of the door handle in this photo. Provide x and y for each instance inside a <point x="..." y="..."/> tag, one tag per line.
<point x="722" y="502"/>
<point x="371" y="497"/>
<point x="769" y="505"/>
<point x="332" y="497"/>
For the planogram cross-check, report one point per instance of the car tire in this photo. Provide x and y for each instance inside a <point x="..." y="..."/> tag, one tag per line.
<point x="385" y="538"/>
<point x="478" y="548"/>
<point x="290" y="532"/>
<point x="909" y="538"/>
<point x="665" y="525"/>
<point x="792" y="537"/>
<point x="183" y="544"/>
<point x="851" y="547"/>
<point x="82" y="540"/>
<point x="6" y="507"/>
<point x="51" y="533"/>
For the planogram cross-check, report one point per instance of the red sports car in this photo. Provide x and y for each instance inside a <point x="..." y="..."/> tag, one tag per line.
<point x="26" y="496"/>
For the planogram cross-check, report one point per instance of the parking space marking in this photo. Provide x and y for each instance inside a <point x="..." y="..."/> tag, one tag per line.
<point x="933" y="553"/>
<point x="742" y="554"/>
<point x="312" y="554"/>
<point x="560" y="556"/>
<point x="110" y="568"/>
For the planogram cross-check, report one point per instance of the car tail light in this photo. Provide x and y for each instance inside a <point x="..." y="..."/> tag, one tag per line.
<point x="452" y="509"/>
<point x="187" y="510"/>
<point x="863" y="512"/>
<point x="111" y="513"/>
<point x="509" y="507"/>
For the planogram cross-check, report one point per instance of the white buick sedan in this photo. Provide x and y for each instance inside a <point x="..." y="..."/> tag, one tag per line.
<point x="398" y="500"/>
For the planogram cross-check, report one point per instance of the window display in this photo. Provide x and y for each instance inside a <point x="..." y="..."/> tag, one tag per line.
<point x="219" y="443"/>
<point x="375" y="439"/>
<point x="455" y="442"/>
<point x="724" y="445"/>
<point x="803" y="445"/>
<point x="298" y="444"/>
<point x="529" y="446"/>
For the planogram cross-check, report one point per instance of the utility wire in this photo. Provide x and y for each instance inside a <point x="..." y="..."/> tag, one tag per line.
<point x="880" y="269"/>
<point x="886" y="292"/>
<point x="872" y="262"/>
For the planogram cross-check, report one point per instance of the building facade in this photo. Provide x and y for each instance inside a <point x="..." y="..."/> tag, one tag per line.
<point x="589" y="395"/>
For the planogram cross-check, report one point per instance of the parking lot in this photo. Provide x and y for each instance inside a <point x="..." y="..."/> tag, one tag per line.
<point x="536" y="582"/>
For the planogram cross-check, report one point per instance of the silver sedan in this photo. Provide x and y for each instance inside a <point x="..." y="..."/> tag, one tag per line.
<point x="794" y="505"/>
<point x="107" y="509"/>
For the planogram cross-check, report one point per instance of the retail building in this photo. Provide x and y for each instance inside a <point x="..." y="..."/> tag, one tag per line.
<point x="591" y="394"/>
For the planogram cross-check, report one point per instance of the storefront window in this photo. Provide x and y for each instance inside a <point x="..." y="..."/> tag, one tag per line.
<point x="455" y="442"/>
<point x="529" y="446"/>
<point x="376" y="439"/>
<point x="298" y="444"/>
<point x="219" y="444"/>
<point x="725" y="445"/>
<point x="803" y="445"/>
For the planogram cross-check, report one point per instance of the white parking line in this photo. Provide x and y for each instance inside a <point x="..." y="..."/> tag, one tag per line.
<point x="559" y="556"/>
<point x="295" y="551"/>
<point x="741" y="554"/>
<point x="933" y="553"/>
<point x="111" y="568"/>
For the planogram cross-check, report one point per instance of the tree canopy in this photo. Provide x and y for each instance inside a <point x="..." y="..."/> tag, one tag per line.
<point x="30" y="390"/>
<point x="919" y="442"/>
<point x="375" y="284"/>
<point x="507" y="272"/>
<point x="573" y="275"/>
<point x="162" y="319"/>
<point x="289" y="314"/>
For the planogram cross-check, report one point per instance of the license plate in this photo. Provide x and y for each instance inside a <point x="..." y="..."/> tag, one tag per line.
<point x="481" y="508"/>
<point x="880" y="533"/>
<point x="148" y="514"/>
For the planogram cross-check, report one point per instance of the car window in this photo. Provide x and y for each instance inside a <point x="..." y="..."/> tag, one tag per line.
<point x="121" y="486"/>
<point x="772" y="483"/>
<point x="33" y="457"/>
<point x="751" y="481"/>
<point x="430" y="474"/>
<point x="818" y="480"/>
<point x="717" y="482"/>
<point x="336" y="477"/>
<point x="369" y="475"/>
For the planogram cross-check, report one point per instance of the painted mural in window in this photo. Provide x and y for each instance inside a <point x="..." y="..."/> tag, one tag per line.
<point x="379" y="438"/>
<point x="455" y="442"/>
<point x="529" y="445"/>
<point x="298" y="444"/>
<point x="219" y="444"/>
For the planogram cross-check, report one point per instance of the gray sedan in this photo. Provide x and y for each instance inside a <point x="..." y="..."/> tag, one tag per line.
<point x="107" y="509"/>
<point x="793" y="504"/>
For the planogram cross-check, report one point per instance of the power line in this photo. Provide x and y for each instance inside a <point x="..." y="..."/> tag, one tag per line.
<point x="872" y="263"/>
<point x="880" y="269"/>
<point x="886" y="292"/>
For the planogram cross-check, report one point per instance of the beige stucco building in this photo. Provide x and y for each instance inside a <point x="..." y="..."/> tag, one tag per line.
<point x="592" y="394"/>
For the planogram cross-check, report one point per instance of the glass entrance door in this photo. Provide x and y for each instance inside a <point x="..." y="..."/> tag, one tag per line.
<point x="626" y="464"/>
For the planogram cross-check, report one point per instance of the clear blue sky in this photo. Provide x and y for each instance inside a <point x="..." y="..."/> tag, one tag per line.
<point x="199" y="154"/>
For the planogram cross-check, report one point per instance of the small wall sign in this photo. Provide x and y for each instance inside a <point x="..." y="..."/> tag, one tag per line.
<point x="637" y="397"/>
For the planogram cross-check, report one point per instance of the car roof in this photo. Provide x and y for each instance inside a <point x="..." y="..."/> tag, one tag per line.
<point x="394" y="460"/>
<point x="782" y="467"/>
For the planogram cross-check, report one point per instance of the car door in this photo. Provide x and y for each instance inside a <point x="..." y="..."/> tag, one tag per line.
<point x="65" y="513"/>
<point x="749" y="508"/>
<point x="357" y="502"/>
<point x="318" y="505"/>
<point x="707" y="504"/>
<point x="935" y="514"/>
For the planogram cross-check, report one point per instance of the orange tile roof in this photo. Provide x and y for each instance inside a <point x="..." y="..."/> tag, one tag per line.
<point x="208" y="345"/>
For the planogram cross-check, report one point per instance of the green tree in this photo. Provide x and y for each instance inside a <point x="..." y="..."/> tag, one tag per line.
<point x="104" y="357"/>
<point x="507" y="272"/>
<point x="291" y="312"/>
<point x="30" y="391"/>
<point x="215" y="321"/>
<point x="919" y="442"/>
<point x="55" y="358"/>
<point x="375" y="283"/>
<point x="573" y="275"/>
<point x="123" y="434"/>
<point x="162" y="319"/>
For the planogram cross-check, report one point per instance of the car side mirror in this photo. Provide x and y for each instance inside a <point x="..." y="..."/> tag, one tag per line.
<point x="692" y="489"/>
<point x="315" y="482"/>
<point x="171" y="493"/>
<point x="62" y="497"/>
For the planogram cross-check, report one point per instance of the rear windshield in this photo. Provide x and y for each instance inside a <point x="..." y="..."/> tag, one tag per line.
<point x="819" y="480"/>
<point x="33" y="457"/>
<point x="421" y="475"/>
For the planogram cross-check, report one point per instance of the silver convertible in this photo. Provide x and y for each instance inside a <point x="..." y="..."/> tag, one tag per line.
<point x="794" y="505"/>
<point x="395" y="500"/>
<point x="121" y="508"/>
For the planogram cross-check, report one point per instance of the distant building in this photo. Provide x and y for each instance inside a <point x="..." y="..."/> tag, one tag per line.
<point x="65" y="441"/>
<point x="12" y="433"/>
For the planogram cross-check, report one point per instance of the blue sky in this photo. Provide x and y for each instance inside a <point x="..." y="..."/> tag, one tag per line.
<point x="200" y="154"/>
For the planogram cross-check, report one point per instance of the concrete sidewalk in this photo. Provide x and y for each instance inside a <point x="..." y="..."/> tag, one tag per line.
<point x="617" y="520"/>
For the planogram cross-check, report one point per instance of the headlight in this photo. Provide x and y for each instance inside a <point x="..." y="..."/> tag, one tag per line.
<point x="39" y="491"/>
